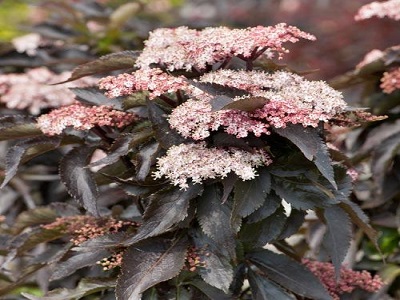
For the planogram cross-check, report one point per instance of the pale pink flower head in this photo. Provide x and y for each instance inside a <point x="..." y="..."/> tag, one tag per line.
<point x="390" y="9"/>
<point x="198" y="163"/>
<point x="33" y="90"/>
<point x="183" y="48"/>
<point x="81" y="117"/>
<point x="390" y="81"/>
<point x="371" y="56"/>
<point x="155" y="81"/>
<point x="27" y="43"/>
<point x="349" y="279"/>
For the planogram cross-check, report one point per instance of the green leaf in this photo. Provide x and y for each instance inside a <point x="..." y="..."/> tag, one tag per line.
<point x="94" y="97"/>
<point x="76" y="262"/>
<point x="338" y="237"/>
<point x="107" y="63"/>
<point x="210" y="291"/>
<point x="26" y="150"/>
<point x="247" y="104"/>
<point x="270" y="205"/>
<point x="214" y="218"/>
<point x="86" y="287"/>
<point x="78" y="179"/>
<point x="264" y="289"/>
<point x="166" y="209"/>
<point x="289" y="273"/>
<point x="263" y="232"/>
<point x="147" y="263"/>
<point x="251" y="194"/>
<point x="147" y="156"/>
<point x="217" y="270"/>
<point x="164" y="133"/>
<point x="36" y="216"/>
<point x="314" y="149"/>
<point x="19" y="131"/>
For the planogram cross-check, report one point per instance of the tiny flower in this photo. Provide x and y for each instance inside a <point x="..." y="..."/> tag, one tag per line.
<point x="82" y="117"/>
<point x="198" y="163"/>
<point x="390" y="9"/>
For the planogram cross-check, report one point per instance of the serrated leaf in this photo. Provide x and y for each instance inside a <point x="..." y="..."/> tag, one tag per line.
<point x="379" y="134"/>
<point x="215" y="219"/>
<point x="20" y="131"/>
<point x="217" y="270"/>
<point x="338" y="237"/>
<point x="78" y="179"/>
<point x="165" y="135"/>
<point x="228" y="183"/>
<point x="289" y="273"/>
<point x="260" y="233"/>
<point x="210" y="291"/>
<point x="24" y="151"/>
<point x="95" y="97"/>
<point x="147" y="156"/>
<point x="264" y="289"/>
<point x="293" y="223"/>
<point x="166" y="209"/>
<point x="107" y="63"/>
<point x="147" y="263"/>
<point x="247" y="104"/>
<point x="251" y="194"/>
<point x="311" y="145"/>
<point x="76" y="262"/>
<point x="38" y="236"/>
<point x="270" y="205"/>
<point x="86" y="287"/>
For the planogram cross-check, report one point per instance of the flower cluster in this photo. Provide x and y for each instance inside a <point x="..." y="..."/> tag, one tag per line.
<point x="198" y="162"/>
<point x="83" y="228"/>
<point x="154" y="80"/>
<point x="349" y="279"/>
<point x="391" y="81"/>
<point x="115" y="260"/>
<point x="184" y="48"/>
<point x="390" y="9"/>
<point x="32" y="90"/>
<point x="193" y="259"/>
<point x="82" y="117"/>
<point x="289" y="99"/>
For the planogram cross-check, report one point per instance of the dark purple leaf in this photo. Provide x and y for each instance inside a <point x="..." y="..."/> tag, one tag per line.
<point x="165" y="135"/>
<point x="264" y="289"/>
<point x="210" y="291"/>
<point x="94" y="97"/>
<point x="166" y="209"/>
<point x="16" y="126"/>
<point x="17" y="154"/>
<point x="247" y="104"/>
<point x="289" y="273"/>
<point x="293" y="223"/>
<point x="32" y="217"/>
<point x="147" y="156"/>
<point x="217" y="270"/>
<point x="215" y="219"/>
<point x="78" y="179"/>
<point x="147" y="263"/>
<point x="338" y="237"/>
<point x="270" y="205"/>
<point x="228" y="183"/>
<point x="76" y="262"/>
<point x="251" y="194"/>
<point x="314" y="149"/>
<point x="107" y="63"/>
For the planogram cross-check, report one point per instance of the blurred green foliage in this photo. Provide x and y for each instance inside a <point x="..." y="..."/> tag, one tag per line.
<point x="12" y="15"/>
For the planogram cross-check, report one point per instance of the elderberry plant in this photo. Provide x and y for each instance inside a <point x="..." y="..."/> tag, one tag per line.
<point x="221" y="154"/>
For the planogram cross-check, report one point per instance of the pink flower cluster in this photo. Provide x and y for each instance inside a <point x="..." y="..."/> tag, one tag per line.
<point x="289" y="99"/>
<point x="198" y="163"/>
<point x="155" y="81"/>
<point x="82" y="117"/>
<point x="349" y="279"/>
<point x="184" y="48"/>
<point x="390" y="9"/>
<point x="33" y="91"/>
<point x="391" y="81"/>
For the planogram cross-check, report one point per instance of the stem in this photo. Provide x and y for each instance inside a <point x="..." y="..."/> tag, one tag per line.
<point x="167" y="100"/>
<point x="225" y="63"/>
<point x="179" y="96"/>
<point x="249" y="65"/>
